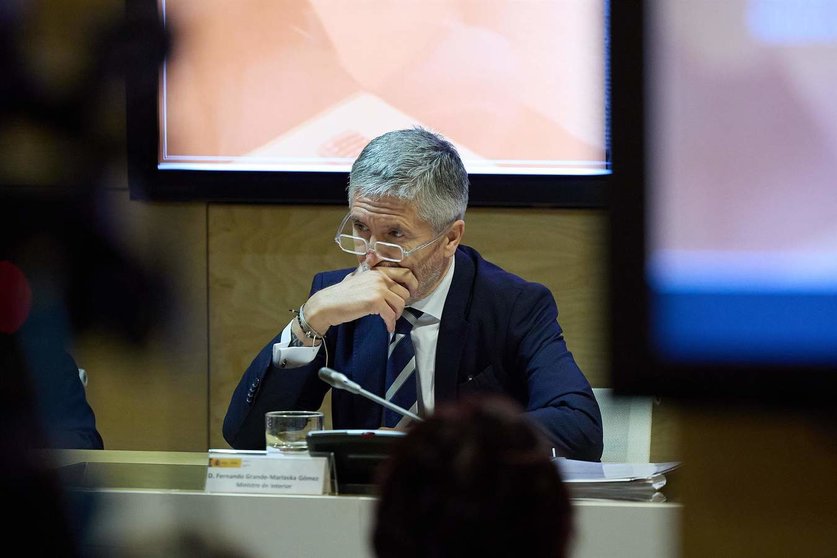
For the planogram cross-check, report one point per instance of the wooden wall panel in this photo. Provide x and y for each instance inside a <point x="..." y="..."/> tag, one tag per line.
<point x="262" y="259"/>
<point x="261" y="262"/>
<point x="154" y="396"/>
<point x="758" y="482"/>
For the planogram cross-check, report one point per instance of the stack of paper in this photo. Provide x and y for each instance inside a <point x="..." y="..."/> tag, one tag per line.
<point x="615" y="481"/>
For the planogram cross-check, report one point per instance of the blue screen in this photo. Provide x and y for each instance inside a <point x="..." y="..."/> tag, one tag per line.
<point x="742" y="221"/>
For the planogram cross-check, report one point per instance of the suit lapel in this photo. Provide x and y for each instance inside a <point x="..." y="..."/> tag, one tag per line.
<point x="453" y="329"/>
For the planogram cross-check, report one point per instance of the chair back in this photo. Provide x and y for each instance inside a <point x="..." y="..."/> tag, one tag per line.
<point x="627" y="426"/>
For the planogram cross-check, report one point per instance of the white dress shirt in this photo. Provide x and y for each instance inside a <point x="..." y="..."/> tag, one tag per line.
<point x="424" y="335"/>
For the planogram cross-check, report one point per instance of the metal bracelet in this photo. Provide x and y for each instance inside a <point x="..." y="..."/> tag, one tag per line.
<point x="306" y="328"/>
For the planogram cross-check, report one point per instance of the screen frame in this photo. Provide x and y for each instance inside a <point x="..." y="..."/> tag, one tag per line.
<point x="147" y="182"/>
<point x="635" y="367"/>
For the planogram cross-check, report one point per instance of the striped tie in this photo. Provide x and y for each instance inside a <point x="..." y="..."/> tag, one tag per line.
<point x="401" y="377"/>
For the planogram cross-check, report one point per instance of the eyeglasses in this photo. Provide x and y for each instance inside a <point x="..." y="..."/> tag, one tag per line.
<point x="384" y="250"/>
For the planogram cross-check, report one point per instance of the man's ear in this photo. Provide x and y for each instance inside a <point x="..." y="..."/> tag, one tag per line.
<point x="454" y="237"/>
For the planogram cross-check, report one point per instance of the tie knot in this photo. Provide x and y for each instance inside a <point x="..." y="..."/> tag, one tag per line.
<point x="407" y="320"/>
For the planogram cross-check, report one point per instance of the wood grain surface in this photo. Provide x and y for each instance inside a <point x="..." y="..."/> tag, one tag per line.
<point x="262" y="259"/>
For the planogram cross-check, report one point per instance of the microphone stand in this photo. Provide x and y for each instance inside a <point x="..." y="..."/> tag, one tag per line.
<point x="337" y="380"/>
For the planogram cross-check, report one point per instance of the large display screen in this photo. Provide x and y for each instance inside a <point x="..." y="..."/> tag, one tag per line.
<point x="742" y="221"/>
<point x="723" y="258"/>
<point x="518" y="86"/>
<point x="521" y="87"/>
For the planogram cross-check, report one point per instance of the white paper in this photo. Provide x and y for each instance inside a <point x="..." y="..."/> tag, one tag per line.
<point x="587" y="471"/>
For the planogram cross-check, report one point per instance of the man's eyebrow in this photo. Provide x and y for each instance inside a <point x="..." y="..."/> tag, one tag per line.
<point x="384" y="222"/>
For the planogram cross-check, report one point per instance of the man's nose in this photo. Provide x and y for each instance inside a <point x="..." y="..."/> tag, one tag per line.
<point x="371" y="259"/>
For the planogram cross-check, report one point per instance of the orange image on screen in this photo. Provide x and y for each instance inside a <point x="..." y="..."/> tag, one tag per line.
<point x="517" y="86"/>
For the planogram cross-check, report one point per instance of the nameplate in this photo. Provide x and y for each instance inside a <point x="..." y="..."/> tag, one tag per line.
<point x="259" y="472"/>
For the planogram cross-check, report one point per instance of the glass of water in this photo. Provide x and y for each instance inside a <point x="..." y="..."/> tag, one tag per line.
<point x="286" y="431"/>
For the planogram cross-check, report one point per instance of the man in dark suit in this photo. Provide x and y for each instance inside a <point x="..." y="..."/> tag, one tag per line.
<point x="472" y="326"/>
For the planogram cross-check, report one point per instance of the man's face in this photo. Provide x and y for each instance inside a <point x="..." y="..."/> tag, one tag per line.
<point x="396" y="221"/>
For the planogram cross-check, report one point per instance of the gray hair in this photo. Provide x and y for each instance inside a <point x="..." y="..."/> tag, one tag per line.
<point x="416" y="165"/>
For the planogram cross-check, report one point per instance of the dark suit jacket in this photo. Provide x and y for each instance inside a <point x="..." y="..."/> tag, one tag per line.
<point x="498" y="333"/>
<point x="68" y="420"/>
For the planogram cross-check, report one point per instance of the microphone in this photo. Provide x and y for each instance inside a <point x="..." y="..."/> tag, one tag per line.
<point x="337" y="380"/>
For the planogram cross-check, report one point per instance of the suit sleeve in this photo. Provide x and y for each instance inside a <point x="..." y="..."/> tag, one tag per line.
<point x="68" y="419"/>
<point x="560" y="398"/>
<point x="265" y="387"/>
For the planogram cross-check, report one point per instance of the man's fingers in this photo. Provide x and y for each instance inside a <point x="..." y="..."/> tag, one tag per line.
<point x="401" y="292"/>
<point x="401" y="276"/>
<point x="396" y="304"/>
<point x="390" y="317"/>
<point x="382" y="290"/>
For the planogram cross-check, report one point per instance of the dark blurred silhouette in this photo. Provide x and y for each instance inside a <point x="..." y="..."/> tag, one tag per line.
<point x="67" y="418"/>
<point x="61" y="135"/>
<point x="475" y="479"/>
<point x="42" y="518"/>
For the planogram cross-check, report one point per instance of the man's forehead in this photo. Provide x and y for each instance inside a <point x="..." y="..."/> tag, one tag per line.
<point x="386" y="210"/>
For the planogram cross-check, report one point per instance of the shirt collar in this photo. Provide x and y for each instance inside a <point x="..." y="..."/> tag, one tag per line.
<point x="434" y="303"/>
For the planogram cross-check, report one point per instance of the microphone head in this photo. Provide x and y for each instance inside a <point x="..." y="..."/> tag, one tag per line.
<point x="333" y="377"/>
<point x="337" y="380"/>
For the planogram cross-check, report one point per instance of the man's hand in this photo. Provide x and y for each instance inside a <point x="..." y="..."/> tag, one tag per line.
<point x="381" y="290"/>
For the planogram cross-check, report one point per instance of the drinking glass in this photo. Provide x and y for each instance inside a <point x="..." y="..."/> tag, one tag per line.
<point x="286" y="431"/>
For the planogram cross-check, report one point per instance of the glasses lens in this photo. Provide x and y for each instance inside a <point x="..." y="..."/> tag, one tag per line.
<point x="352" y="244"/>
<point x="391" y="252"/>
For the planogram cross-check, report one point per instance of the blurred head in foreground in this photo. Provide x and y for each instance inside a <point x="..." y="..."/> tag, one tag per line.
<point x="474" y="479"/>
